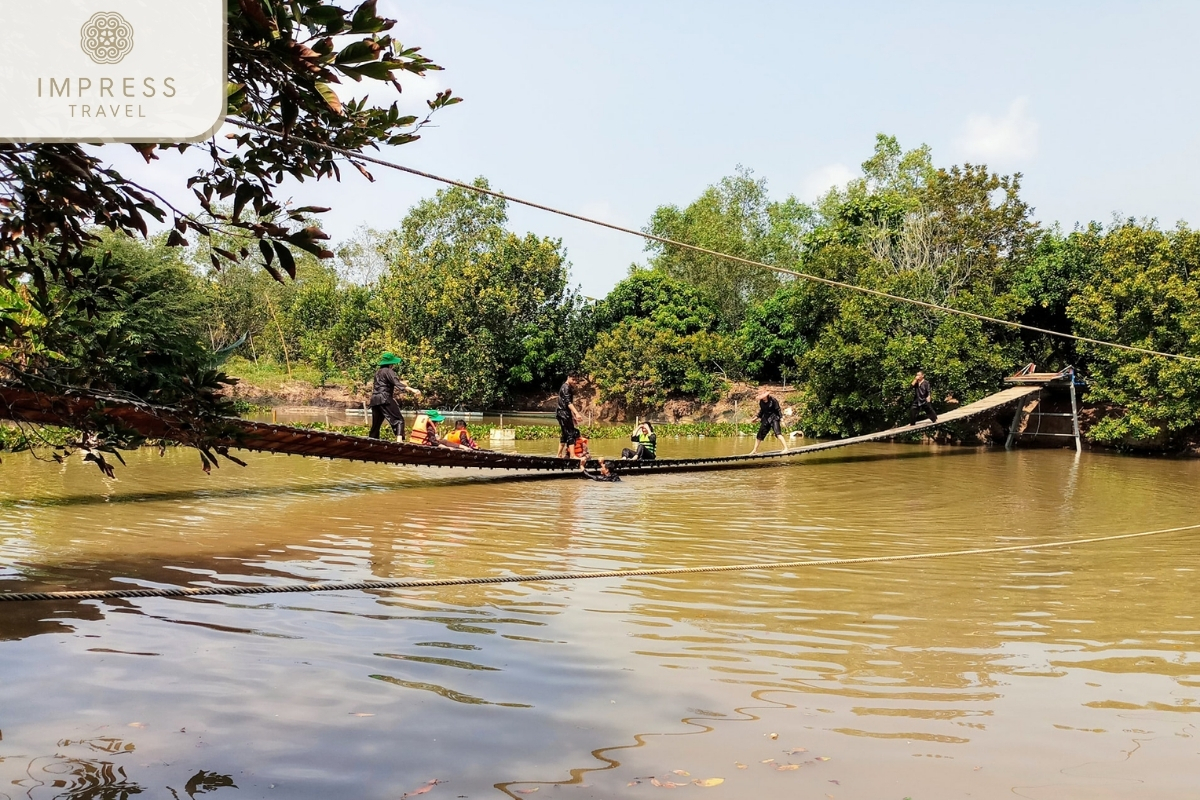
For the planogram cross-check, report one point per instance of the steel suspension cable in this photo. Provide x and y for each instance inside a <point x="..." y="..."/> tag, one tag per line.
<point x="697" y="249"/>
<point x="407" y="583"/>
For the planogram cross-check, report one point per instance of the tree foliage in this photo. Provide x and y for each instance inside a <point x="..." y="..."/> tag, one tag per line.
<point x="954" y="237"/>
<point x="284" y="61"/>
<point x="1144" y="291"/>
<point x="658" y="338"/>
<point x="481" y="312"/>
<point x="734" y="216"/>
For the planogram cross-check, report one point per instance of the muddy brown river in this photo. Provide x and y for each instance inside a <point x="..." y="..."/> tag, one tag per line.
<point x="1043" y="674"/>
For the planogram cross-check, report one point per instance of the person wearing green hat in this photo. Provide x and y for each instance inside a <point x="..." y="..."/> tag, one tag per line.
<point x="425" y="430"/>
<point x="383" y="397"/>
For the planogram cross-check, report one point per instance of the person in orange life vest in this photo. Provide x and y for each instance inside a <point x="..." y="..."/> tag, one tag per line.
<point x="580" y="449"/>
<point x="424" y="430"/>
<point x="459" y="437"/>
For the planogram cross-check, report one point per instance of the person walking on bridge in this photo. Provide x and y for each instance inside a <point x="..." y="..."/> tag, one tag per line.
<point x="770" y="417"/>
<point x="922" y="398"/>
<point x="567" y="416"/>
<point x="383" y="397"/>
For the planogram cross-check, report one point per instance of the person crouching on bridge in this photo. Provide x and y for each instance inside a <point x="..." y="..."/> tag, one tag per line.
<point x="567" y="416"/>
<point x="460" y="437"/>
<point x="922" y="401"/>
<point x="424" y="430"/>
<point x="646" y="441"/>
<point x="383" y="397"/>
<point x="770" y="417"/>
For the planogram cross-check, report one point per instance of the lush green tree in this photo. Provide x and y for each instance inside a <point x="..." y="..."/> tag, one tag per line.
<point x="736" y="217"/>
<point x="658" y="337"/>
<point x="283" y="59"/>
<point x="857" y="373"/>
<point x="1058" y="268"/>
<point x="779" y="330"/>
<point x="955" y="237"/>
<point x="1145" y="292"/>
<point x="481" y="312"/>
<point x="878" y="201"/>
<point x="641" y="365"/>
<point x="665" y="301"/>
<point x="132" y="320"/>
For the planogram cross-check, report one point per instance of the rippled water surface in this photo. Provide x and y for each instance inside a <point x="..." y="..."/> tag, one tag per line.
<point x="1041" y="674"/>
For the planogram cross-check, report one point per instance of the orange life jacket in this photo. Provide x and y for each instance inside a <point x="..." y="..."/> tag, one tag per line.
<point x="420" y="431"/>
<point x="580" y="448"/>
<point x="459" y="437"/>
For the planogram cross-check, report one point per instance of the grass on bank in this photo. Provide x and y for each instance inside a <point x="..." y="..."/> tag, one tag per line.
<point x="270" y="376"/>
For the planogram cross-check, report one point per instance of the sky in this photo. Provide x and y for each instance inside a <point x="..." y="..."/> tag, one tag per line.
<point x="611" y="109"/>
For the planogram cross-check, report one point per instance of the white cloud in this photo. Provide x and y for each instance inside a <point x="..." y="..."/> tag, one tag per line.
<point x="817" y="183"/>
<point x="1013" y="135"/>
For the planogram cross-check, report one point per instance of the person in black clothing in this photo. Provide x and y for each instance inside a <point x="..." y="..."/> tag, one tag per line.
<point x="921" y="398"/>
<point x="770" y="416"/>
<point x="647" y="443"/>
<point x="567" y="416"/>
<point x="383" y="397"/>
<point x="605" y="475"/>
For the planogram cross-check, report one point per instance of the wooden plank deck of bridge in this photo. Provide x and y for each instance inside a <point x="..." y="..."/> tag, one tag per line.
<point x="164" y="423"/>
<point x="979" y="407"/>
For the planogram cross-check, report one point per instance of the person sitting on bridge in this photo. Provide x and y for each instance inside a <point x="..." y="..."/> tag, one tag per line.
<point x="460" y="437"/>
<point x="770" y="416"/>
<point x="605" y="475"/>
<point x="646" y="441"/>
<point x="567" y="416"/>
<point x="922" y="398"/>
<point x="424" y="430"/>
<point x="383" y="397"/>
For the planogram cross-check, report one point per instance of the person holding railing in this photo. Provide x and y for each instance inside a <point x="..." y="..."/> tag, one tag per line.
<point x="770" y="419"/>
<point x="383" y="397"/>
<point x="604" y="475"/>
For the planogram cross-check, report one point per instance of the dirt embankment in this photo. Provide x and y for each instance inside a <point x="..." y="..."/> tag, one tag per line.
<point x="737" y="404"/>
<point x="296" y="393"/>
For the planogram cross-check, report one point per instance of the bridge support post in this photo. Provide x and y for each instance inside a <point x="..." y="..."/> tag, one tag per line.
<point x="1075" y="416"/>
<point x="1014" y="430"/>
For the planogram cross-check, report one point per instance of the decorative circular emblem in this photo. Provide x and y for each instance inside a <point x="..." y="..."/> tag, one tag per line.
<point x="106" y="38"/>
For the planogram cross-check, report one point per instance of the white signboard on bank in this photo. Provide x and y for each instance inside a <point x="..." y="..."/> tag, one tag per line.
<point x="111" y="70"/>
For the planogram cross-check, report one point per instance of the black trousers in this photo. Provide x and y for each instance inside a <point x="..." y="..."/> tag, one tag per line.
<point x="391" y="412"/>
<point x="641" y="454"/>
<point x="929" y="412"/>
<point x="567" y="430"/>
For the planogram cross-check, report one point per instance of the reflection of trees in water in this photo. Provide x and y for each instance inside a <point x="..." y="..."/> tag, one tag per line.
<point x="94" y="777"/>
